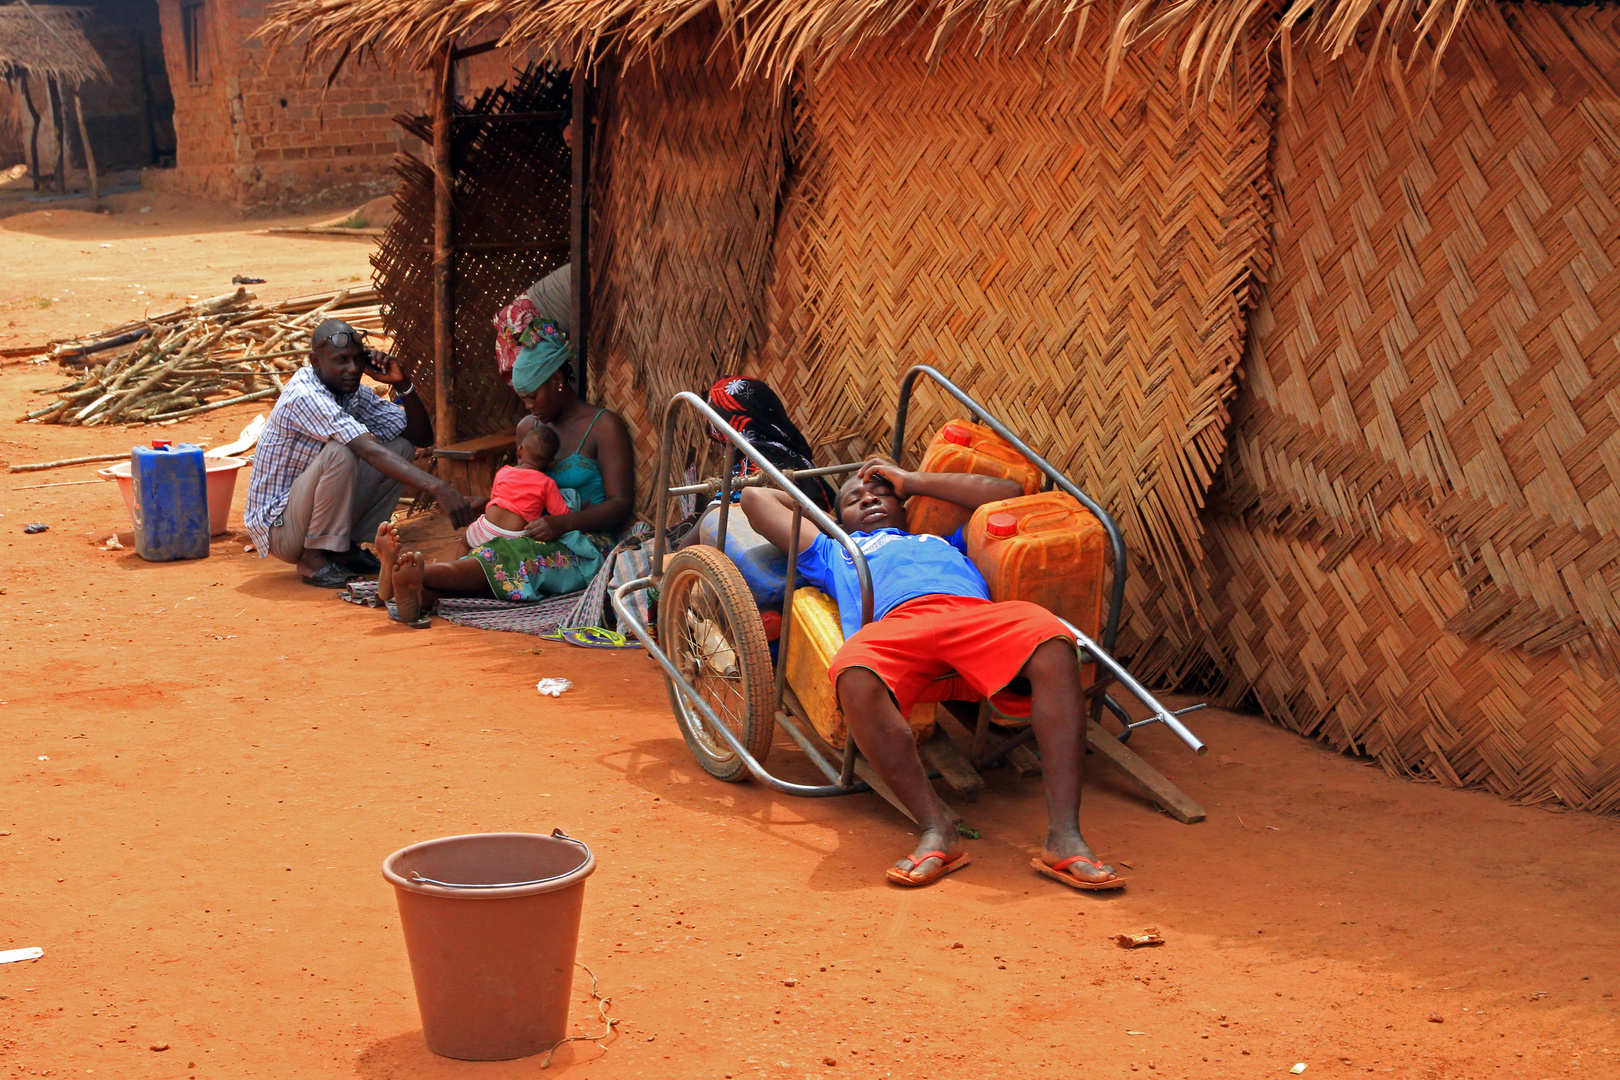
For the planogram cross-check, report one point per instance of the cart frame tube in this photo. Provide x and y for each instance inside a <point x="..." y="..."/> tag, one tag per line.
<point x="846" y="783"/>
<point x="1116" y="539"/>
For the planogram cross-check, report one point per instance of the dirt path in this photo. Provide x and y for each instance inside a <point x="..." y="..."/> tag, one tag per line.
<point x="207" y="762"/>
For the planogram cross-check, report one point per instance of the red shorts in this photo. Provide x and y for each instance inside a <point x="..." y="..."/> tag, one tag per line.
<point x="948" y="648"/>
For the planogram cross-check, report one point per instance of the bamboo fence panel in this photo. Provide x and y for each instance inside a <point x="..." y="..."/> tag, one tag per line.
<point x="689" y="170"/>
<point x="1081" y="266"/>
<point x="1417" y="547"/>
<point x="511" y="213"/>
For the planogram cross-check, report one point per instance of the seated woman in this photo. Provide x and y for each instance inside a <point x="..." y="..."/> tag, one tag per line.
<point x="558" y="553"/>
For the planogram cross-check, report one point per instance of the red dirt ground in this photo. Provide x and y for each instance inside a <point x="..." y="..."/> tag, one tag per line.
<point x="205" y="764"/>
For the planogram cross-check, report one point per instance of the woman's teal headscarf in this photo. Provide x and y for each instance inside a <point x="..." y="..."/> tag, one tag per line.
<point x="540" y="361"/>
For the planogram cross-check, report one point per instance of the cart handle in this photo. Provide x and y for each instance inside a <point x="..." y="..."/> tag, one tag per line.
<point x="666" y="447"/>
<point x="1160" y="714"/>
<point x="1116" y="539"/>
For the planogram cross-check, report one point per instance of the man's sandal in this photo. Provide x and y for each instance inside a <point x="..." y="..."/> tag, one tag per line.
<point x="949" y="864"/>
<point x="1058" y="871"/>
<point x="330" y="576"/>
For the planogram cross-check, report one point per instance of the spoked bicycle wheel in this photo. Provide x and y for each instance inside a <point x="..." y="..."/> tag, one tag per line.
<point x="709" y="625"/>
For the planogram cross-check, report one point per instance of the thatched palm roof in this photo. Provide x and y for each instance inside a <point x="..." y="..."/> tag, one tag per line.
<point x="47" y="41"/>
<point x="773" y="37"/>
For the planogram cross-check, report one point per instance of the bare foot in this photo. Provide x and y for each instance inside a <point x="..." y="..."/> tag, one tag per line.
<point x="408" y="588"/>
<point x="387" y="548"/>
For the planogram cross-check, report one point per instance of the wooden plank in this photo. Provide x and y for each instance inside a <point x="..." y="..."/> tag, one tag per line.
<point x="444" y="253"/>
<point x="471" y="449"/>
<point x="323" y="230"/>
<point x="89" y="154"/>
<point x="947" y="721"/>
<point x="1024" y="761"/>
<point x="864" y="770"/>
<point x="552" y="117"/>
<point x="953" y="765"/>
<point x="1171" y="799"/>
<point x="580" y="226"/>
<point x="480" y="49"/>
<point x="547" y="246"/>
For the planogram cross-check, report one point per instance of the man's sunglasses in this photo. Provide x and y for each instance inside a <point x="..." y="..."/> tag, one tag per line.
<point x="342" y="339"/>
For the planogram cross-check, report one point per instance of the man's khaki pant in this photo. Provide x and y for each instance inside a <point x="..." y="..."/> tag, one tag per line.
<point x="336" y="502"/>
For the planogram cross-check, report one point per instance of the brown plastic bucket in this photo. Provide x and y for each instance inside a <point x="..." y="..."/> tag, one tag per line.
<point x="491" y="925"/>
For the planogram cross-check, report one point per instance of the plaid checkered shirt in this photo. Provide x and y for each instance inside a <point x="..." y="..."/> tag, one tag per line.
<point x="306" y="417"/>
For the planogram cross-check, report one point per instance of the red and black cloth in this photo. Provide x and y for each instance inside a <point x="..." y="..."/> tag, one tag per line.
<point x="754" y="411"/>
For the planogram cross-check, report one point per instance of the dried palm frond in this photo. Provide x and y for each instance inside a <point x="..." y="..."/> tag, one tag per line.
<point x="773" y="38"/>
<point x="1205" y="34"/>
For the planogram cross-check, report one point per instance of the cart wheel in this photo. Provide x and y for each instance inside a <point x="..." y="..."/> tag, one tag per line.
<point x="710" y="627"/>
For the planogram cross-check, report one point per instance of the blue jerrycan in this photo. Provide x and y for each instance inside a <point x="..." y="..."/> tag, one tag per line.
<point x="763" y="565"/>
<point x="171" y="502"/>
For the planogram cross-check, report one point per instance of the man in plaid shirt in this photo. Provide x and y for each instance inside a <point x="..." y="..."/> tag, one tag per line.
<point x="333" y="457"/>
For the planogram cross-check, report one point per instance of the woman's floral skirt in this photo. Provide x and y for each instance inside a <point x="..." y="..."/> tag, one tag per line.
<point x="520" y="569"/>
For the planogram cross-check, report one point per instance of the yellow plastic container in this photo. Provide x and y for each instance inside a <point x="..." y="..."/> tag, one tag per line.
<point x="963" y="447"/>
<point x="1045" y="548"/>
<point x="815" y="635"/>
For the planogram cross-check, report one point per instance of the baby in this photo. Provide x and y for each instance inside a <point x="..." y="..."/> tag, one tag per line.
<point x="522" y="492"/>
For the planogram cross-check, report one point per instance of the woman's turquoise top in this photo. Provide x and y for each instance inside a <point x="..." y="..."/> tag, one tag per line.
<point x="580" y="475"/>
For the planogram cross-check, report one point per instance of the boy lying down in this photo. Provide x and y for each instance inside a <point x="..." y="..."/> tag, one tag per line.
<point x="932" y="616"/>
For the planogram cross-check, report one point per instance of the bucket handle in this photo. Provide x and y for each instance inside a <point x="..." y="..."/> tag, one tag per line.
<point x="418" y="879"/>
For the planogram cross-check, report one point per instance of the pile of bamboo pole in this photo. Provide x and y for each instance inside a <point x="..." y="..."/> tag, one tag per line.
<point x="222" y="351"/>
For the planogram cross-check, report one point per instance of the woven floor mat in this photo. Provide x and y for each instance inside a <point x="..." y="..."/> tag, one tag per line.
<point x="533" y="618"/>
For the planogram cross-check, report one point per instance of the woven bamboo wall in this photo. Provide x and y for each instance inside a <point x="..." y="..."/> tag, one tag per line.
<point x="1417" y="544"/>
<point x="1081" y="266"/>
<point x="689" y="170"/>
<point x="511" y="193"/>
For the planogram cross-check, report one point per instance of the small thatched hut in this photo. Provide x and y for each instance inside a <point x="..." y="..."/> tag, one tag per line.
<point x="45" y="58"/>
<point x="1320" y="301"/>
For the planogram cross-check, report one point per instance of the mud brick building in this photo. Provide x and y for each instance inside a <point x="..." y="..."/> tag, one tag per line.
<point x="256" y="131"/>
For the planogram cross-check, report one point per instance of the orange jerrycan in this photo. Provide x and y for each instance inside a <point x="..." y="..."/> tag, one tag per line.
<point x="1045" y="548"/>
<point x="963" y="447"/>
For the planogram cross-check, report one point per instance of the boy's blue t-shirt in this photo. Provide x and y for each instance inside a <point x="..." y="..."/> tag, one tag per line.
<point x="904" y="566"/>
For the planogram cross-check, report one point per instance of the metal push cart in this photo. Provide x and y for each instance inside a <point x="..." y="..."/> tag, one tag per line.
<point x="729" y="698"/>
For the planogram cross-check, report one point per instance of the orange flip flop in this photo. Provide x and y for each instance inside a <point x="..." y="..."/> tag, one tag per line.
<point x="1058" y="872"/>
<point x="948" y="865"/>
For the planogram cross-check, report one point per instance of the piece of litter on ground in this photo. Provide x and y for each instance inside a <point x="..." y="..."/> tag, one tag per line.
<point x="1149" y="936"/>
<point x="1273" y="828"/>
<point x="11" y="956"/>
<point x="36" y="527"/>
<point x="553" y="687"/>
<point x="112" y="544"/>
<point x="1299" y="1067"/>
<point x="1136" y="1033"/>
<point x="42" y="757"/>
